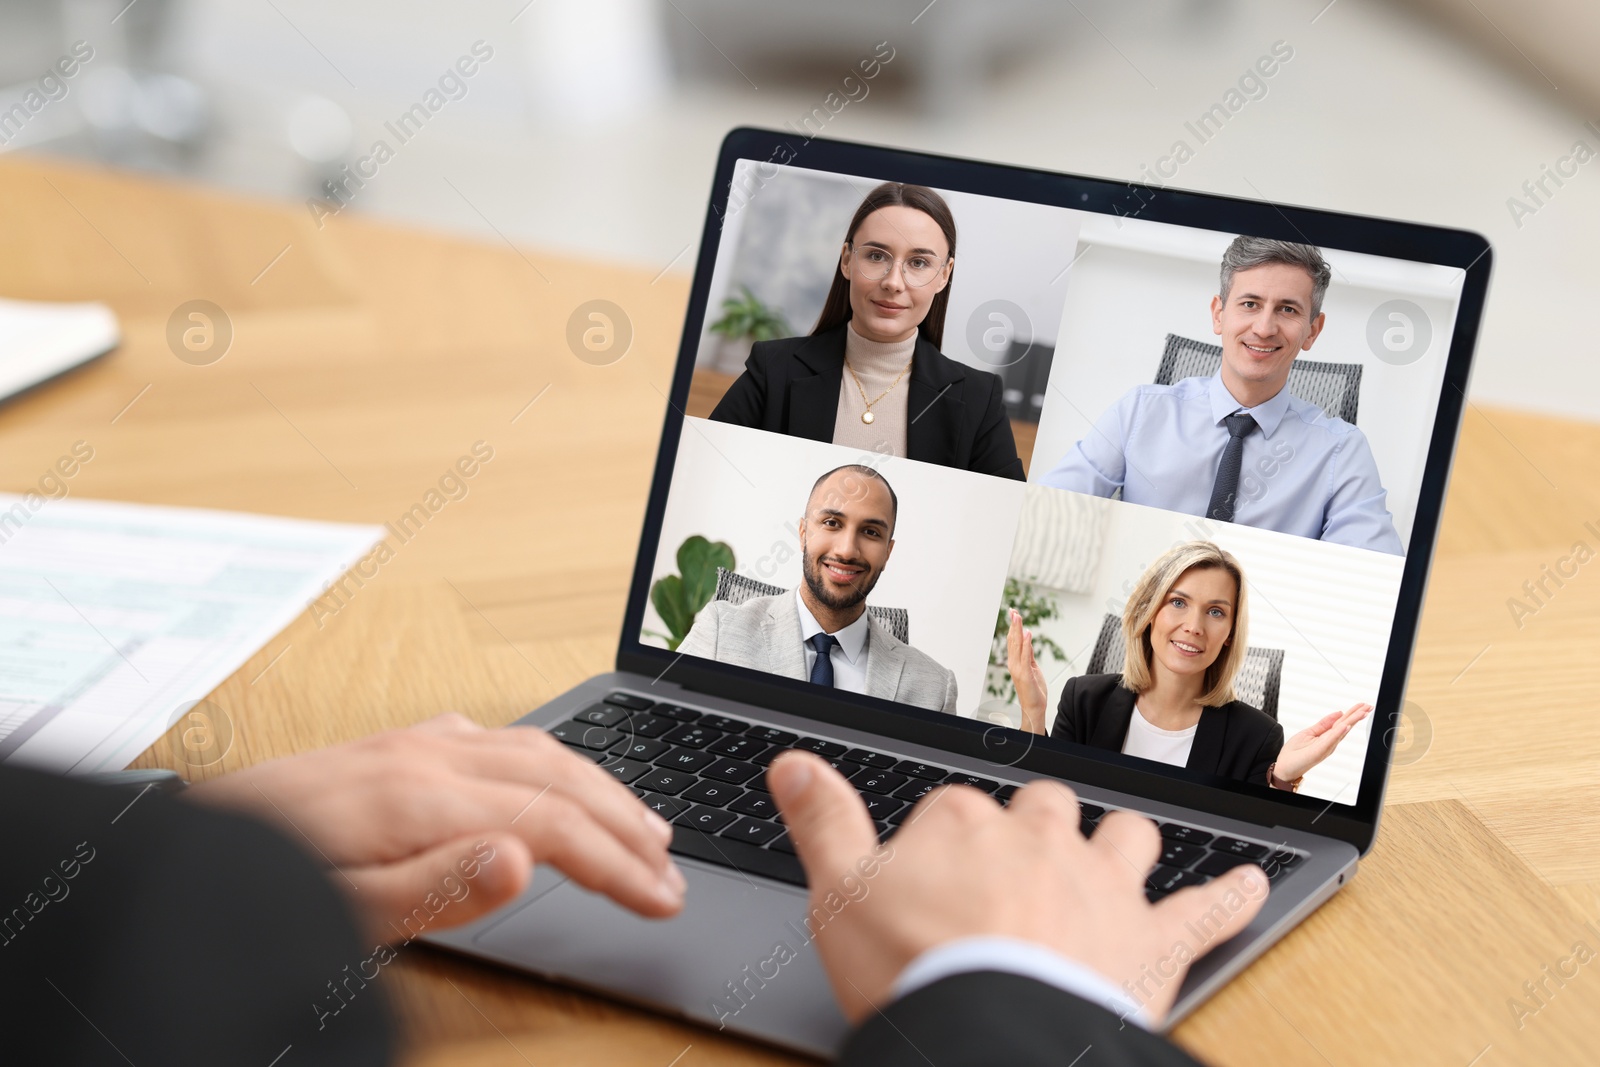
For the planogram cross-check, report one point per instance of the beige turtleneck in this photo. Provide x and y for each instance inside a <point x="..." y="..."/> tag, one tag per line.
<point x="876" y="364"/>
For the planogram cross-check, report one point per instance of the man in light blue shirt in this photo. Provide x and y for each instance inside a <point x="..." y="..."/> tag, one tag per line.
<point x="1238" y="447"/>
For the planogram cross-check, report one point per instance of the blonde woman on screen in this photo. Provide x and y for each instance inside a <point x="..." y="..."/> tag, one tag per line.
<point x="1173" y="702"/>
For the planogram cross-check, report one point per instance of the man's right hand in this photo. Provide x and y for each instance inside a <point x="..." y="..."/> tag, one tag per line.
<point x="962" y="866"/>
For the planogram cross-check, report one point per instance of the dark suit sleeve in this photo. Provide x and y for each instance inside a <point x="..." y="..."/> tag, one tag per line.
<point x="745" y="403"/>
<point x="985" y="1018"/>
<point x="1271" y="745"/>
<point x="994" y="449"/>
<point x="1065" y="727"/>
<point x="156" y="931"/>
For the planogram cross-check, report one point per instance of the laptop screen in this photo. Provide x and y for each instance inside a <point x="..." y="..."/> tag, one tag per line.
<point x="1132" y="472"/>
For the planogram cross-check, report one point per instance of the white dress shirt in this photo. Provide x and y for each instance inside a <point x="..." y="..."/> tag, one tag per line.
<point x="1148" y="741"/>
<point x="849" y="656"/>
<point x="1014" y="956"/>
<point x="1303" y="473"/>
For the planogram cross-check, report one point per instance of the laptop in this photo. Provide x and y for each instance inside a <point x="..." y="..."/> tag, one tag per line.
<point x="1076" y="309"/>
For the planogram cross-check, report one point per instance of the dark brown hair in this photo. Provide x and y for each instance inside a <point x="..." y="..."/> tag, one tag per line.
<point x="836" y="309"/>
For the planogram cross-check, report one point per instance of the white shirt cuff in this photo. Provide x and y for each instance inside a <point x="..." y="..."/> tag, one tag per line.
<point x="1014" y="956"/>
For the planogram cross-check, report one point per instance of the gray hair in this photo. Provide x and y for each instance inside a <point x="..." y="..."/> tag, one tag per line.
<point x="1246" y="253"/>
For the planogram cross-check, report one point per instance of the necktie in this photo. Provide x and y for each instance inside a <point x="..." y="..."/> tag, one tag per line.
<point x="1227" y="484"/>
<point x="822" y="669"/>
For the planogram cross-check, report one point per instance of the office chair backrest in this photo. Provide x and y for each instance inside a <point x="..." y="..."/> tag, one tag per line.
<point x="1333" y="387"/>
<point x="736" y="589"/>
<point x="1256" y="683"/>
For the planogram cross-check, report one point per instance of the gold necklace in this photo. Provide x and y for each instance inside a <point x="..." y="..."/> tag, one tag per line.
<point x="867" y="416"/>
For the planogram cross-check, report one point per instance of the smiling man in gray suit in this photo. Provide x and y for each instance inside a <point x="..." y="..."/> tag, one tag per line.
<point x="821" y="630"/>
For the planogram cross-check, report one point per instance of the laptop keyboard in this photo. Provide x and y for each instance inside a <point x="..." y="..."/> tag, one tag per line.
<point x="706" y="774"/>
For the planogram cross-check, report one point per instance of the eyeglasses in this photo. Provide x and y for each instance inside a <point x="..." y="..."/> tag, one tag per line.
<point x="918" y="269"/>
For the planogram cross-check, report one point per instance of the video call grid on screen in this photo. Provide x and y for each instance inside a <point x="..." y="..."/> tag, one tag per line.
<point x="1074" y="311"/>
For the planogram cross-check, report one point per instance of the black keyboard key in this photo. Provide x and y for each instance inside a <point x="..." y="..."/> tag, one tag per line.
<point x="692" y="736"/>
<point x="915" y="791"/>
<point x="644" y="724"/>
<point x="641" y="749"/>
<point x="1176" y="831"/>
<point x="759" y="783"/>
<point x="706" y="820"/>
<point x="755" y="805"/>
<point x="1005" y="793"/>
<point x="880" y="808"/>
<point x="782" y="844"/>
<point x="1090" y="811"/>
<point x="821" y="747"/>
<point x="1233" y="846"/>
<point x="868" y="758"/>
<point x="662" y="780"/>
<point x="582" y="735"/>
<point x="601" y="715"/>
<point x="626" y="770"/>
<point x="1279" y="864"/>
<point x="988" y="785"/>
<point x="779" y="863"/>
<point x="668" y="808"/>
<point x="755" y="831"/>
<point x="1178" y="854"/>
<point x="882" y="782"/>
<point x="731" y="770"/>
<point x="1087" y="827"/>
<point x="1217" y="863"/>
<point x="1171" y="879"/>
<point x="673" y="711"/>
<point x="723" y="723"/>
<point x="772" y="735"/>
<point x="628" y="700"/>
<point x="686" y="759"/>
<point x="745" y="748"/>
<point x="921" y="770"/>
<point x="716" y="794"/>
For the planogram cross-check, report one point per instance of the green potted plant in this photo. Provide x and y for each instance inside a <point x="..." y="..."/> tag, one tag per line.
<point x="1035" y="606"/>
<point x="746" y="320"/>
<point x="679" y="597"/>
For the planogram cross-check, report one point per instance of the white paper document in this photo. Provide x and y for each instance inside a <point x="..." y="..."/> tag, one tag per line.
<point x="115" y="618"/>
<point x="39" y="341"/>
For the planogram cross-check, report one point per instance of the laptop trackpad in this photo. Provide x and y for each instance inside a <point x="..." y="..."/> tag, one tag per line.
<point x="738" y="956"/>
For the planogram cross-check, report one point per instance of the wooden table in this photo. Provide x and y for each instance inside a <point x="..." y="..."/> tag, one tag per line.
<point x="367" y="357"/>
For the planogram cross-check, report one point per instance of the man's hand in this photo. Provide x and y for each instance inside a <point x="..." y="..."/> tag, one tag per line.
<point x="449" y="813"/>
<point x="962" y="866"/>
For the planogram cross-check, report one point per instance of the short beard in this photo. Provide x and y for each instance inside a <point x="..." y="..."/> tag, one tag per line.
<point x="812" y="570"/>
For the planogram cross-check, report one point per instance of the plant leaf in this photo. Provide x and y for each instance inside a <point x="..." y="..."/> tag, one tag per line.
<point x="667" y="596"/>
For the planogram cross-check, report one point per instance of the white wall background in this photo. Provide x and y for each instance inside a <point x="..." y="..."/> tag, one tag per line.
<point x="1136" y="284"/>
<point x="1330" y="607"/>
<point x="1005" y="249"/>
<point x="952" y="538"/>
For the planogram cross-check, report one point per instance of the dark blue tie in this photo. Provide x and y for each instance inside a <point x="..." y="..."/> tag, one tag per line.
<point x="822" y="669"/>
<point x="1226" y="488"/>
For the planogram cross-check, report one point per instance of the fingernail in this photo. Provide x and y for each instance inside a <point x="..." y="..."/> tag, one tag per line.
<point x="795" y="776"/>
<point x="670" y="888"/>
<point x="658" y="826"/>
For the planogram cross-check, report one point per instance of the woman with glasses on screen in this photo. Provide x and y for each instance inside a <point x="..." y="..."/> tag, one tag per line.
<point x="1173" y="702"/>
<point x="870" y="375"/>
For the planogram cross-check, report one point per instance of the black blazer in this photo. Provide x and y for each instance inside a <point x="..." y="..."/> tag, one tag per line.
<point x="956" y="417"/>
<point x="985" y="1017"/>
<point x="231" y="969"/>
<point x="1234" y="741"/>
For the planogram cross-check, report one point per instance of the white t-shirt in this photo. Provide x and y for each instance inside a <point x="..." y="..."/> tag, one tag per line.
<point x="1153" y="743"/>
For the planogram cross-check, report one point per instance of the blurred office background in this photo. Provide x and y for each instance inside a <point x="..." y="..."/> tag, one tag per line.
<point x="591" y="127"/>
